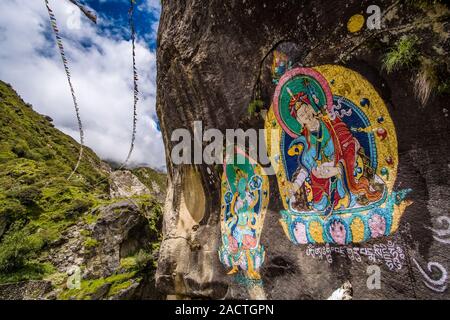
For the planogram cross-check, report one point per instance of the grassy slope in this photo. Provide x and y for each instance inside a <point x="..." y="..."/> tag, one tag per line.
<point x="37" y="202"/>
<point x="148" y="175"/>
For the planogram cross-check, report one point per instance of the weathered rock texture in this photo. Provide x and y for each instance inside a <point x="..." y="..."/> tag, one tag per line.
<point x="120" y="230"/>
<point x="213" y="58"/>
<point x="27" y="290"/>
<point x="124" y="184"/>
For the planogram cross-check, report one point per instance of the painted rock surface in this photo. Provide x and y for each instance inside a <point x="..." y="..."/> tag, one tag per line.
<point x="245" y="194"/>
<point x="357" y="167"/>
<point x="335" y="183"/>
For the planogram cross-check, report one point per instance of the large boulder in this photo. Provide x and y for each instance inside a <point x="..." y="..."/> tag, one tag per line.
<point x="98" y="246"/>
<point x="214" y="59"/>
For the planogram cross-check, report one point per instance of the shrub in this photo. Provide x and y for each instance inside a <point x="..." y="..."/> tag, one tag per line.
<point x="116" y="288"/>
<point x="128" y="263"/>
<point x="422" y="4"/>
<point x="92" y="286"/>
<point x="12" y="210"/>
<point x="426" y="81"/>
<point x="16" y="248"/>
<point x="27" y="195"/>
<point x="21" y="149"/>
<point x="137" y="262"/>
<point x="78" y="207"/>
<point x="402" y="54"/>
<point x="254" y="107"/>
<point x="31" y="271"/>
<point x="142" y="259"/>
<point x="90" y="243"/>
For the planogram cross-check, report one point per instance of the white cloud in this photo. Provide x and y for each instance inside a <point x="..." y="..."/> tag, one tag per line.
<point x="155" y="7"/>
<point x="101" y="73"/>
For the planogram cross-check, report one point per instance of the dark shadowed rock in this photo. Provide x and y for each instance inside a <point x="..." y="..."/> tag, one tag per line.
<point x="26" y="290"/>
<point x="118" y="231"/>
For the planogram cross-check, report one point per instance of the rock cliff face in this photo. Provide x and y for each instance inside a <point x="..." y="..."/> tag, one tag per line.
<point x="217" y="60"/>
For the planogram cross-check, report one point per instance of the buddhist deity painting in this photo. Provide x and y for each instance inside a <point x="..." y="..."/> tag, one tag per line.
<point x="245" y="194"/>
<point x="280" y="65"/>
<point x="336" y="157"/>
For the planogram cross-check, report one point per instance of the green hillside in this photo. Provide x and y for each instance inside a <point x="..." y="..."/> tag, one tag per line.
<point x="38" y="203"/>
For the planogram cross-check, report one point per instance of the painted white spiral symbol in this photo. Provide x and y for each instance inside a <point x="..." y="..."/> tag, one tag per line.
<point x="440" y="233"/>
<point x="438" y="285"/>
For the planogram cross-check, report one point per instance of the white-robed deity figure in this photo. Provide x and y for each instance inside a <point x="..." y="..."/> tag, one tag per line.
<point x="327" y="155"/>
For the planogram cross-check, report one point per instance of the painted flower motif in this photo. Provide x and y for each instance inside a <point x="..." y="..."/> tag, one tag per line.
<point x="377" y="226"/>
<point x="300" y="233"/>
<point x="338" y="232"/>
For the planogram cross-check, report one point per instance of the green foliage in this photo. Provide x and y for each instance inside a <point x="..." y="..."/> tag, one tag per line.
<point x="11" y="210"/>
<point x="90" y="218"/>
<point x="16" y="248"/>
<point x="37" y="202"/>
<point x="148" y="175"/>
<point x="85" y="233"/>
<point x="32" y="270"/>
<point x="88" y="288"/>
<point x="254" y="107"/>
<point x="444" y="87"/>
<point x="27" y="135"/>
<point x="21" y="149"/>
<point x="128" y="263"/>
<point x="422" y="4"/>
<point x="78" y="207"/>
<point x="57" y="278"/>
<point x="142" y="259"/>
<point x="90" y="243"/>
<point x="27" y="195"/>
<point x="117" y="287"/>
<point x="404" y="53"/>
<point x="137" y="262"/>
<point x="154" y="215"/>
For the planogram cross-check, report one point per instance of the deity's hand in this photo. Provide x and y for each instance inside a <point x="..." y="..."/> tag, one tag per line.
<point x="326" y="170"/>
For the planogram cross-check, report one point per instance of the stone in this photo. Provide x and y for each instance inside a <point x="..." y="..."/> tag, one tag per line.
<point x="124" y="184"/>
<point x="25" y="290"/>
<point x="117" y="236"/>
<point x="101" y="292"/>
<point x="342" y="293"/>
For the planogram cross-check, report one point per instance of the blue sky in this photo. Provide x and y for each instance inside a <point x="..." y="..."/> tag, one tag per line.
<point x="100" y="62"/>
<point x="146" y="17"/>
